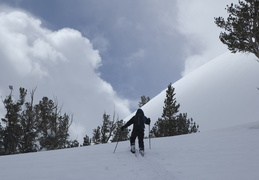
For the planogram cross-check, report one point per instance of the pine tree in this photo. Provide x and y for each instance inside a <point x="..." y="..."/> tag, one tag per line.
<point x="72" y="144"/>
<point x="166" y="126"/>
<point x="25" y="126"/>
<point x="143" y="100"/>
<point x="172" y="123"/>
<point x="29" y="127"/>
<point x="241" y="27"/>
<point x="171" y="107"/>
<point x="193" y="127"/>
<point x="183" y="124"/>
<point x="46" y="134"/>
<point x="107" y="128"/>
<point x="103" y="133"/>
<point x="118" y="134"/>
<point x="87" y="141"/>
<point x="12" y="131"/>
<point x="2" y="149"/>
<point x="96" y="135"/>
<point x="64" y="122"/>
<point x="52" y="125"/>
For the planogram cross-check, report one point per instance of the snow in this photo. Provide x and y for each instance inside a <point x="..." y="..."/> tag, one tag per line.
<point x="225" y="154"/>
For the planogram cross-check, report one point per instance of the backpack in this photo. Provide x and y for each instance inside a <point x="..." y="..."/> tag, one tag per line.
<point x="139" y="120"/>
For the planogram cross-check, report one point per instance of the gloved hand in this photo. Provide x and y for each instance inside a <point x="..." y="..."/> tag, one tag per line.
<point x="123" y="127"/>
<point x="148" y="121"/>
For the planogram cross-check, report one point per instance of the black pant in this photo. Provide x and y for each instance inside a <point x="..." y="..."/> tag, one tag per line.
<point x="140" y="134"/>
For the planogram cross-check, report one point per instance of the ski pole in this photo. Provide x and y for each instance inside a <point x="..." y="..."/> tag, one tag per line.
<point x="117" y="142"/>
<point x="116" y="147"/>
<point x="149" y="136"/>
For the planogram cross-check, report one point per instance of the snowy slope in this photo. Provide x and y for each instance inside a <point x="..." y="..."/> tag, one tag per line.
<point x="225" y="154"/>
<point x="221" y="93"/>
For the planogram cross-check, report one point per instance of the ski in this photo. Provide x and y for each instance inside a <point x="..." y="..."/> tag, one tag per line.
<point x="136" y="153"/>
<point x="133" y="151"/>
<point x="141" y="153"/>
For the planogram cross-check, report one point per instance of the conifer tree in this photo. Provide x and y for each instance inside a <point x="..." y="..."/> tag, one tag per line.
<point x="107" y="127"/>
<point x="72" y="144"/>
<point x="12" y="131"/>
<point x="171" y="107"/>
<point x="166" y="126"/>
<point x="64" y="122"/>
<point x="143" y="100"/>
<point x="25" y="126"/>
<point x="52" y="125"/>
<point x="46" y="127"/>
<point x="29" y="127"/>
<point x="118" y="134"/>
<point x="96" y="135"/>
<point x="183" y="124"/>
<point x="2" y="149"/>
<point x="103" y="133"/>
<point x="87" y="141"/>
<point x="172" y="123"/>
<point x="241" y="27"/>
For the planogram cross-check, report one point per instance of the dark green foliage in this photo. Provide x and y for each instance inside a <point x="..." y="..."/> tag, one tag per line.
<point x="166" y="126"/>
<point x="171" y="123"/>
<point x="185" y="125"/>
<point x="171" y="107"/>
<point x="103" y="133"/>
<point x="45" y="124"/>
<point x="28" y="128"/>
<point x="12" y="130"/>
<point x="160" y="128"/>
<point x="72" y="144"/>
<point x="87" y="141"/>
<point x="107" y="128"/>
<point x="118" y="134"/>
<point x="64" y="122"/>
<point x="241" y="27"/>
<point x="2" y="152"/>
<point x="96" y="135"/>
<point x="143" y="100"/>
<point x="52" y="125"/>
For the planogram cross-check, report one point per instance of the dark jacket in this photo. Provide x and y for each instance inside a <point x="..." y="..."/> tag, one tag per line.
<point x="138" y="121"/>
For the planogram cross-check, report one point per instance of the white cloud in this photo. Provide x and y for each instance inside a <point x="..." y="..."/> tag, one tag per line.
<point x="196" y="22"/>
<point x="60" y="63"/>
<point x="23" y="45"/>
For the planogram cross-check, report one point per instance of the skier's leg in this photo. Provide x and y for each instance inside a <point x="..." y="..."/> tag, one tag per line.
<point x="132" y="141"/>
<point x="133" y="137"/>
<point x="140" y="140"/>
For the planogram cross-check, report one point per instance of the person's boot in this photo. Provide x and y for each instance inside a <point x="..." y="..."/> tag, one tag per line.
<point x="133" y="150"/>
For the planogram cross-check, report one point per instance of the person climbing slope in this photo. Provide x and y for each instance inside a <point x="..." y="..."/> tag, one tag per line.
<point x="138" y="121"/>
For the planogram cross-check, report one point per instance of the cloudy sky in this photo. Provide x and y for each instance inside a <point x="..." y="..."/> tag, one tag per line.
<point x="102" y="56"/>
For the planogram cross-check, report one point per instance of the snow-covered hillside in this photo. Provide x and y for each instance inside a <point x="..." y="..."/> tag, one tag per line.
<point x="221" y="93"/>
<point x="225" y="154"/>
